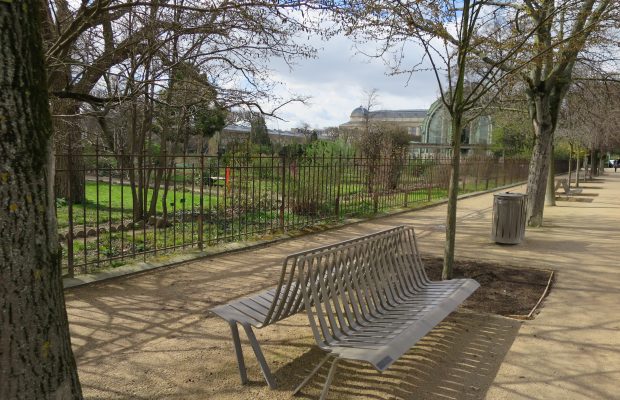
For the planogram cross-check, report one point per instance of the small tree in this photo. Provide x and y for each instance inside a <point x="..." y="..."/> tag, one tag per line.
<point x="393" y="24"/>
<point x="209" y="121"/>
<point x="258" y="131"/>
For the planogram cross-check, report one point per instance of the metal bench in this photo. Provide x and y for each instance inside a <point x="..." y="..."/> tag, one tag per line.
<point x="563" y="183"/>
<point x="271" y="306"/>
<point x="372" y="301"/>
<point x="213" y="180"/>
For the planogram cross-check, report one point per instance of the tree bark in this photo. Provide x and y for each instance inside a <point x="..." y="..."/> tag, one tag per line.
<point x="570" y="165"/>
<point x="453" y="192"/>
<point x="577" y="168"/>
<point x="594" y="163"/>
<point x="36" y="360"/>
<point x="69" y="182"/>
<point x="456" y="115"/>
<point x="537" y="179"/>
<point x="544" y="110"/>
<point x="550" y="192"/>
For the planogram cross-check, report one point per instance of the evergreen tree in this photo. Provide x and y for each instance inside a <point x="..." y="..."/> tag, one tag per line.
<point x="258" y="131"/>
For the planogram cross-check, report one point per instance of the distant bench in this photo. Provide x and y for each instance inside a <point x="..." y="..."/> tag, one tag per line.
<point x="563" y="183"/>
<point x="367" y="299"/>
<point x="212" y="180"/>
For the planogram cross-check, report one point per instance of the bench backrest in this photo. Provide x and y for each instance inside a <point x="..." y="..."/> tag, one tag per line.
<point x="288" y="296"/>
<point x="351" y="284"/>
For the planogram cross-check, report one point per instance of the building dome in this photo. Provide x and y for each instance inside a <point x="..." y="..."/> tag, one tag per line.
<point x="359" y="112"/>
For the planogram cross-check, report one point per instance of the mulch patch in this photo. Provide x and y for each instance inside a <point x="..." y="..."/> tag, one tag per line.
<point x="508" y="291"/>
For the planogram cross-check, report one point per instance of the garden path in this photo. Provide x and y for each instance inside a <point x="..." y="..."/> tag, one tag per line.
<point x="147" y="336"/>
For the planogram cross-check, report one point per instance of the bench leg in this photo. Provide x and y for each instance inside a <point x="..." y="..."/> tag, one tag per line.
<point x="259" y="356"/>
<point x="314" y="371"/>
<point x="330" y="377"/>
<point x="238" y="352"/>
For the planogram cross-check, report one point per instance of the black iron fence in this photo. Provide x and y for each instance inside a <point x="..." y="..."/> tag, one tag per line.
<point x="114" y="208"/>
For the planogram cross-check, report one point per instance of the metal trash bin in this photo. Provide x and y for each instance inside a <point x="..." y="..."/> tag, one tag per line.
<point x="508" y="218"/>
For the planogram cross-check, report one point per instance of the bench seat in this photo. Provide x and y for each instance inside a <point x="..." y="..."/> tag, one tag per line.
<point x="253" y="310"/>
<point x="384" y="339"/>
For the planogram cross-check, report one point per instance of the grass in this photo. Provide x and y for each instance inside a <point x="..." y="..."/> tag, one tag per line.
<point x="113" y="203"/>
<point x="245" y="216"/>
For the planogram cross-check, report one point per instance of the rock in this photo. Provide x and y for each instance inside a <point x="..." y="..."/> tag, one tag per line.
<point x="91" y="232"/>
<point x="138" y="225"/>
<point x="102" y="230"/>
<point x="79" y="234"/>
<point x="112" y="229"/>
<point x="152" y="220"/>
<point x="162" y="223"/>
<point x="120" y="228"/>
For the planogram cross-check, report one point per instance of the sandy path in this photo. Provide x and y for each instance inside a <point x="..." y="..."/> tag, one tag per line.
<point x="149" y="336"/>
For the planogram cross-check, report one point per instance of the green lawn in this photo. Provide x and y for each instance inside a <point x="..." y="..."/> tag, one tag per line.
<point x="114" y="203"/>
<point x="248" y="213"/>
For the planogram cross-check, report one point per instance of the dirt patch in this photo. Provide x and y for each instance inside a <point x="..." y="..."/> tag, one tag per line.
<point x="508" y="291"/>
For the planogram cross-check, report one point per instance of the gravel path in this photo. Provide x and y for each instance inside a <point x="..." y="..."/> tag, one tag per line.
<point x="149" y="336"/>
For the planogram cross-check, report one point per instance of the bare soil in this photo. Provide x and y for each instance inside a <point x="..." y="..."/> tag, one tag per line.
<point x="504" y="290"/>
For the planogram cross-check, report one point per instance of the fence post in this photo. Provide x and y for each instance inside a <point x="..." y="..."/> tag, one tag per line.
<point x="405" y="181"/>
<point x="487" y="172"/>
<point x="464" y="172"/>
<point x="497" y="174"/>
<point x="477" y="164"/>
<point x="283" y="172"/>
<point x="70" y="267"/>
<point x="339" y="181"/>
<point x="429" y="179"/>
<point x="375" y="184"/>
<point x="202" y="192"/>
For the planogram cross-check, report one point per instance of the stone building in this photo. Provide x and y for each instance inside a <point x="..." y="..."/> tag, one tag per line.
<point x="430" y="129"/>
<point x="409" y="119"/>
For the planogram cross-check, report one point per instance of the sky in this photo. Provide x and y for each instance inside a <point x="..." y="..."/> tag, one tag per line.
<point x="336" y="80"/>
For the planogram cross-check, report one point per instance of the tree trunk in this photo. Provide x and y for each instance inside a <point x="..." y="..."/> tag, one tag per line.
<point x="453" y="192"/>
<point x="542" y="120"/>
<point x="69" y="181"/>
<point x="456" y="115"/>
<point x="36" y="360"/>
<point x="594" y="163"/>
<point x="537" y="179"/>
<point x="577" y="168"/>
<point x="570" y="165"/>
<point x="550" y="192"/>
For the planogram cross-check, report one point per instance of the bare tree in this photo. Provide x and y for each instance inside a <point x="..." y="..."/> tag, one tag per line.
<point x="36" y="360"/>
<point x="542" y="40"/>
<point x="561" y="35"/>
<point x="590" y="118"/>
<point x="149" y="62"/>
<point x="448" y="33"/>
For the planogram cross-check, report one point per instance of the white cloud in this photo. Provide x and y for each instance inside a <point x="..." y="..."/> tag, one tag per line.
<point x="336" y="81"/>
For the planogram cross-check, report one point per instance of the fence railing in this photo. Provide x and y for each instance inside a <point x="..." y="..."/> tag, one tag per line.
<point x="115" y="208"/>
